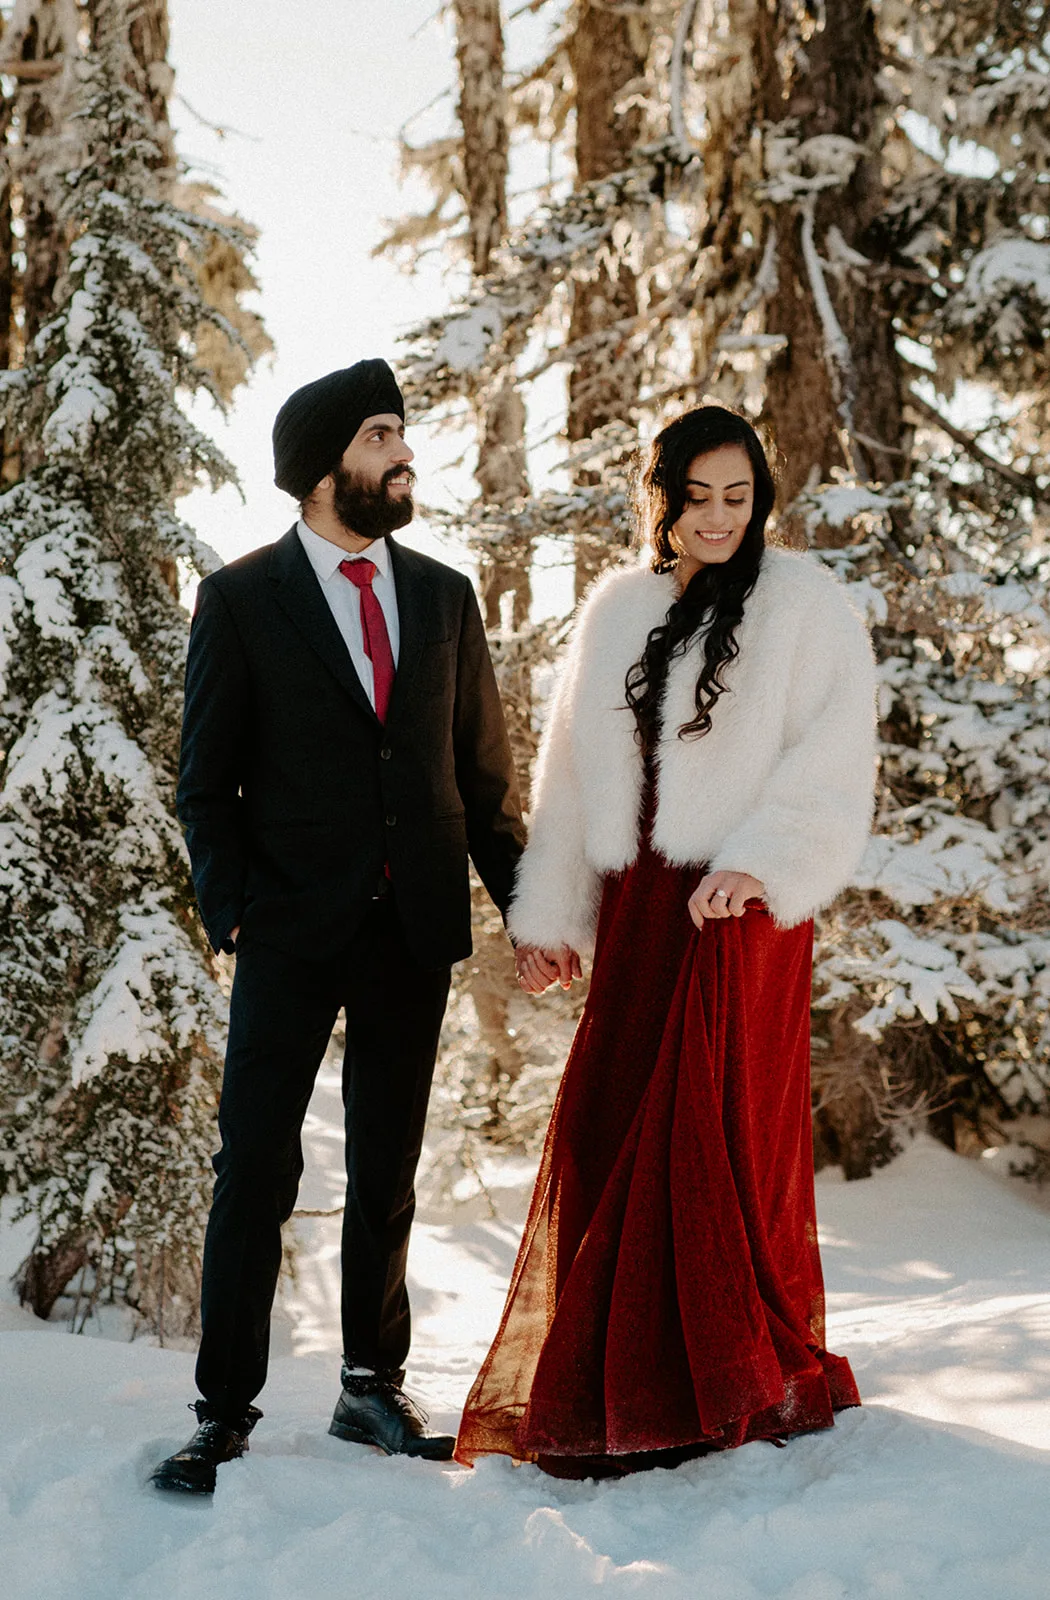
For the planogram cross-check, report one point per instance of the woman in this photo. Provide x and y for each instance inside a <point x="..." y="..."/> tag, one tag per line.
<point x="704" y="786"/>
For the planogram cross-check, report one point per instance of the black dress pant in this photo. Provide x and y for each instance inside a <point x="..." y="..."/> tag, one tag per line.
<point x="282" y="1011"/>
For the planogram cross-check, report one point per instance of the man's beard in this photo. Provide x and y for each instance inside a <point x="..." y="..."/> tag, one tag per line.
<point x="370" y="510"/>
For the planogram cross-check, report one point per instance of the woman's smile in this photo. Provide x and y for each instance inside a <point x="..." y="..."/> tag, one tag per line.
<point x="720" y="483"/>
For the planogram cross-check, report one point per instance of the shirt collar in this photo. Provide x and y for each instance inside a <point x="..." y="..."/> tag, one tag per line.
<point x="325" y="556"/>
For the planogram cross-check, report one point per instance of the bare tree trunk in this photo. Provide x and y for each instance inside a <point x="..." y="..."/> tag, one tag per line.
<point x="501" y="474"/>
<point x="831" y="408"/>
<point x="149" y="72"/>
<point x="149" y="36"/>
<point x="482" y="114"/>
<point x="834" y="399"/>
<point x="44" y="246"/>
<point x="44" y="1274"/>
<point x="7" y="276"/>
<point x="608" y="51"/>
<point x="7" y="265"/>
<point x="502" y="478"/>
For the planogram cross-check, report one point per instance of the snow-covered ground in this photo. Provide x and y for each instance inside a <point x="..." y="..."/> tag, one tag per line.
<point x="938" y="1273"/>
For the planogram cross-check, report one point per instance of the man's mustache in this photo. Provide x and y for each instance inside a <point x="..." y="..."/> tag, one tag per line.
<point x="398" y="472"/>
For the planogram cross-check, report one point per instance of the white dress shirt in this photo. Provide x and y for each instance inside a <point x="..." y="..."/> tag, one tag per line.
<point x="344" y="599"/>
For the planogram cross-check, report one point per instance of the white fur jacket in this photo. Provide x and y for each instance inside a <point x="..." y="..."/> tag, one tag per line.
<point x="781" y="787"/>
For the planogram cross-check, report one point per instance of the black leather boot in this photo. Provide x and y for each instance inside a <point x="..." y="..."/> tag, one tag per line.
<point x="374" y="1409"/>
<point x="191" y="1470"/>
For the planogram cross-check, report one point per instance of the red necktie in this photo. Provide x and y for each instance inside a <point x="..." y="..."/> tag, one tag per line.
<point x="373" y="628"/>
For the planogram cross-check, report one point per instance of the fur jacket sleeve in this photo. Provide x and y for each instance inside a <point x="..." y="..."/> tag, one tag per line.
<point x="781" y="787"/>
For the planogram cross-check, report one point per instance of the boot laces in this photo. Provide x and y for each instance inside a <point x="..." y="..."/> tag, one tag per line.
<point x="404" y="1403"/>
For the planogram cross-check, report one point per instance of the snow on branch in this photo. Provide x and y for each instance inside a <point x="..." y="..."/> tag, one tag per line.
<point x="1002" y="469"/>
<point x="909" y="976"/>
<point x="149" y="995"/>
<point x="953" y="858"/>
<point x="1005" y="295"/>
<point x="1010" y="264"/>
<point x="838" y="355"/>
<point x="44" y="569"/>
<point x="682" y="37"/>
<point x="798" y="169"/>
<point x="448" y="355"/>
<point x="999" y="104"/>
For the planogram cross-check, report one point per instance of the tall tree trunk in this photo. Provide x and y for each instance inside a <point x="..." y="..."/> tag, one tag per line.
<point x="149" y="35"/>
<point x="833" y="397"/>
<point x="482" y="114"/>
<point x="7" y="265"/>
<point x="501" y="475"/>
<point x="485" y="154"/>
<point x="149" y="72"/>
<point x="502" y="478"/>
<point x="832" y="408"/>
<point x="44" y="245"/>
<point x="609" y="50"/>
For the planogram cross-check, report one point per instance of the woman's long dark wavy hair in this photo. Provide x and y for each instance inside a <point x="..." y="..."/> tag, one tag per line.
<point x="714" y="597"/>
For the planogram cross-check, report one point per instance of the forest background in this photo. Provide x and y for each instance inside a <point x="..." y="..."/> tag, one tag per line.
<point x="833" y="215"/>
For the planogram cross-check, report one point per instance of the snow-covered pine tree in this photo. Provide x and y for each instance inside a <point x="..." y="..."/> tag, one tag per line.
<point x="835" y="217"/>
<point x="110" y="1017"/>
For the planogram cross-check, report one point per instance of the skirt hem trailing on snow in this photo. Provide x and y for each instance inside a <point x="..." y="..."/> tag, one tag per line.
<point x="667" y="1298"/>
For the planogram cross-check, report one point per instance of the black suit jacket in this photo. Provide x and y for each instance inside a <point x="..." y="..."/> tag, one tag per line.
<point x="293" y="795"/>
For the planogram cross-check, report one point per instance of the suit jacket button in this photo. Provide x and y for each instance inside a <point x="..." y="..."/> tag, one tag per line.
<point x="385" y="753"/>
<point x="391" y="820"/>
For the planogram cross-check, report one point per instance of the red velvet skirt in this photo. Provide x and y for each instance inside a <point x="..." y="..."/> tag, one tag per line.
<point x="667" y="1297"/>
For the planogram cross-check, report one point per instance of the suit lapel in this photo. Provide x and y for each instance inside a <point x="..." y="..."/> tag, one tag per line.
<point x="413" y="606"/>
<point x="299" y="595"/>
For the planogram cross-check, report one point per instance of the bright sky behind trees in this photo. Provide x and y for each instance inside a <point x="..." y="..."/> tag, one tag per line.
<point x="317" y="94"/>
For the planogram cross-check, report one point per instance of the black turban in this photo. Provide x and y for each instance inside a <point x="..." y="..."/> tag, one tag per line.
<point x="317" y="422"/>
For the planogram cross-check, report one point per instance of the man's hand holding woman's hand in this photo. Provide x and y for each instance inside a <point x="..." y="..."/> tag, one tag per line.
<point x="723" y="894"/>
<point x="538" y="969"/>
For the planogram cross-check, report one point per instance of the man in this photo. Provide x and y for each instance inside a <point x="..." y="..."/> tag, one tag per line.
<point x="343" y="749"/>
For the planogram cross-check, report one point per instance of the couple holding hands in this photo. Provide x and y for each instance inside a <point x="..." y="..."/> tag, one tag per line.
<point x="704" y="786"/>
